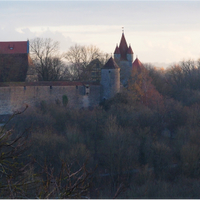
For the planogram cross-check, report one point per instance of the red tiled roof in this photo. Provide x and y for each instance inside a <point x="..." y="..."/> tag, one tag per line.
<point x="123" y="47"/>
<point x="111" y="64"/>
<point x="117" y="51"/>
<point x="13" y="47"/>
<point x="130" y="51"/>
<point x="137" y="65"/>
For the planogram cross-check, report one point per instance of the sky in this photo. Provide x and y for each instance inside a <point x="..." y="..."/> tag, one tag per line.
<point x="160" y="32"/>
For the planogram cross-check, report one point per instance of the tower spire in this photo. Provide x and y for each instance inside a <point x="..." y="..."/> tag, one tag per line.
<point x="123" y="47"/>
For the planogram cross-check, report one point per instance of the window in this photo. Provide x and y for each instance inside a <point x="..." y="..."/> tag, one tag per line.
<point x="87" y="89"/>
<point x="11" y="48"/>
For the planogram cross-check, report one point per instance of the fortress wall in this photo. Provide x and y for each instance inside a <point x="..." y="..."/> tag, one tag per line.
<point x="15" y="97"/>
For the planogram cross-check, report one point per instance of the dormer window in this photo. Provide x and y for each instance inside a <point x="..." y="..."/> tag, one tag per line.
<point x="11" y="47"/>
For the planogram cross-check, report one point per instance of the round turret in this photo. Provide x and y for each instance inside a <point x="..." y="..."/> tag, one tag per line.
<point x="129" y="55"/>
<point x="117" y="54"/>
<point x="110" y="79"/>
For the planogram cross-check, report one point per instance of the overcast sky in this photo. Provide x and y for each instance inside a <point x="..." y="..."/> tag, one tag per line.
<point x="158" y="31"/>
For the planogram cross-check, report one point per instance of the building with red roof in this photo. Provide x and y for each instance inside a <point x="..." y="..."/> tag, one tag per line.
<point x="15" y="62"/>
<point x="19" y="47"/>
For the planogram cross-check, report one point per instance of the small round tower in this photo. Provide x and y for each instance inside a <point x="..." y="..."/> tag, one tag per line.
<point x="110" y="79"/>
<point x="117" y="55"/>
<point x="129" y="55"/>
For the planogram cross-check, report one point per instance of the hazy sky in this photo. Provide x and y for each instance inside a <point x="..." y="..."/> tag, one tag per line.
<point x="158" y="31"/>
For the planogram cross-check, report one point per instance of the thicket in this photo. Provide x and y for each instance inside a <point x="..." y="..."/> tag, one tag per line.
<point x="143" y="143"/>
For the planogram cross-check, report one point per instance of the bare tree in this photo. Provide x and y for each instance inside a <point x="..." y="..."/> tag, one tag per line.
<point x="46" y="57"/>
<point x="184" y="75"/>
<point x="80" y="57"/>
<point x="12" y="170"/>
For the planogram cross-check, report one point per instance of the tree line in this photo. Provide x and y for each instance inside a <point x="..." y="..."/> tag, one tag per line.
<point x="73" y="65"/>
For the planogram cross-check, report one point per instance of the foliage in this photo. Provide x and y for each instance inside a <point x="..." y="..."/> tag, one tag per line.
<point x="12" y="169"/>
<point x="142" y="89"/>
<point x="81" y="58"/>
<point x="41" y="174"/>
<point x="46" y="58"/>
<point x="65" y="100"/>
<point x="142" y="143"/>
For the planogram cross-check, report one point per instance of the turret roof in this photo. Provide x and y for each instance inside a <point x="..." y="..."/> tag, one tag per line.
<point x="137" y="65"/>
<point x="111" y="64"/>
<point x="123" y="47"/>
<point x="130" y="51"/>
<point x="117" y="51"/>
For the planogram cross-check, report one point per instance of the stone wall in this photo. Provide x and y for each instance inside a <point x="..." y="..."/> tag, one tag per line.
<point x="13" y="98"/>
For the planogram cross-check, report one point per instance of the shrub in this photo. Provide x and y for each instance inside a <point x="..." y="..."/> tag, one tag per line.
<point x="64" y="100"/>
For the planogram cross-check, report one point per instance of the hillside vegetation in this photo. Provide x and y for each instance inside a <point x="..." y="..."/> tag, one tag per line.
<point x="143" y="143"/>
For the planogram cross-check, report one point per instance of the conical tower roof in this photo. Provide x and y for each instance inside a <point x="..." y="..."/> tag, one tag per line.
<point x="137" y="65"/>
<point x="111" y="64"/>
<point x="117" y="51"/>
<point x="130" y="51"/>
<point x="123" y="47"/>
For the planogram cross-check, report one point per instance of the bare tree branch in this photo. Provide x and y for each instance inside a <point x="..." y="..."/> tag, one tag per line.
<point x="80" y="57"/>
<point x="46" y="57"/>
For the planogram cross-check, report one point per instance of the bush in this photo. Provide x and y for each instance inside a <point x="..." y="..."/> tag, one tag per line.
<point x="64" y="100"/>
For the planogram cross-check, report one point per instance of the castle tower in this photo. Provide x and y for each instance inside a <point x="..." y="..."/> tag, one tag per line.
<point x="110" y="79"/>
<point x="117" y="55"/>
<point x="129" y="55"/>
<point x="123" y="55"/>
